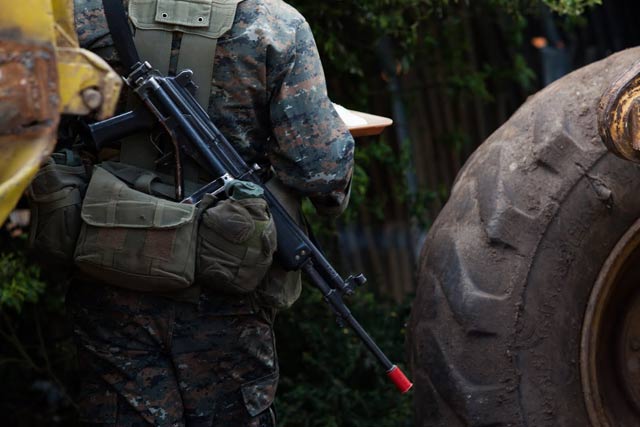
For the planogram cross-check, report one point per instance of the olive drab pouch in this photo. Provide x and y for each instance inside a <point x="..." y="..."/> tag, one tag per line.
<point x="236" y="240"/>
<point x="55" y="196"/>
<point x="281" y="288"/>
<point x="134" y="240"/>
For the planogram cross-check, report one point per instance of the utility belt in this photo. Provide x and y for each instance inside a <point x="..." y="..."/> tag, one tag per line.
<point x="118" y="227"/>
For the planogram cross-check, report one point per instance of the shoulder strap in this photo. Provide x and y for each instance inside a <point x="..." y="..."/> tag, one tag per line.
<point x="120" y="32"/>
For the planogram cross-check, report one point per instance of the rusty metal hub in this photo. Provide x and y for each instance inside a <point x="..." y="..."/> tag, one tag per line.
<point x="610" y="348"/>
<point x="629" y="352"/>
<point x="619" y="116"/>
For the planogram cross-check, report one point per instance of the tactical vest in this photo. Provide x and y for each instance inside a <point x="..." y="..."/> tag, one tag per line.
<point x="156" y="23"/>
<point x="201" y="23"/>
<point x="125" y="231"/>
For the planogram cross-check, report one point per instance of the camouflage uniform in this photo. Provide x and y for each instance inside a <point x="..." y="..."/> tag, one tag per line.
<point x="268" y="98"/>
<point x="151" y="360"/>
<point x="148" y="360"/>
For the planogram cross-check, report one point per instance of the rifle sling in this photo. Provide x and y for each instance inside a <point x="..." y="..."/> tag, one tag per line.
<point x="120" y="32"/>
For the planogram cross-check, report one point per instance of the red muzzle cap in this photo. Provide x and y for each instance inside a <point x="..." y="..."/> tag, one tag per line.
<point x="399" y="379"/>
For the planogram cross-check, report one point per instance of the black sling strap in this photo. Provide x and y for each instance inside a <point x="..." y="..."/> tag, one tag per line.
<point x="121" y="33"/>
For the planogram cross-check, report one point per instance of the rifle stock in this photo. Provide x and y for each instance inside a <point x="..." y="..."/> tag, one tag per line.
<point x="169" y="101"/>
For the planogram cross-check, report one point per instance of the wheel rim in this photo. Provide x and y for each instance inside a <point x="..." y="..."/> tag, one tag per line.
<point x="610" y="347"/>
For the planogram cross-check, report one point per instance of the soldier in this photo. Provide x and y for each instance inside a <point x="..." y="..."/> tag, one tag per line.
<point x="200" y="357"/>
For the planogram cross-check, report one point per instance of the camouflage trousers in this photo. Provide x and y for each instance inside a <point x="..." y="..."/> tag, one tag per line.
<point x="148" y="360"/>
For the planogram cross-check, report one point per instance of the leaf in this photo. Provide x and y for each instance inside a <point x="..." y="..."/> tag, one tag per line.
<point x="19" y="281"/>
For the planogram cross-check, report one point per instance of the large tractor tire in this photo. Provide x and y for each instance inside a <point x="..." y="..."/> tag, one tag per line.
<point x="528" y="304"/>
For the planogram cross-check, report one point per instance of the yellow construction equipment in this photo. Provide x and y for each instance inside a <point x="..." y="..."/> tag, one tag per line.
<point x="43" y="73"/>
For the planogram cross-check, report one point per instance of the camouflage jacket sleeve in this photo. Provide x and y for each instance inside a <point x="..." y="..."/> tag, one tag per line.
<point x="313" y="150"/>
<point x="93" y="31"/>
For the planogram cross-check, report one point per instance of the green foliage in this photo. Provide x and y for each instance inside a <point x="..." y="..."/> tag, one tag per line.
<point x="377" y="152"/>
<point x="360" y="38"/>
<point x="348" y="33"/>
<point x="564" y="7"/>
<point x="19" y="281"/>
<point x="440" y="33"/>
<point x="571" y="7"/>
<point x="521" y="73"/>
<point x="37" y="357"/>
<point x="328" y="379"/>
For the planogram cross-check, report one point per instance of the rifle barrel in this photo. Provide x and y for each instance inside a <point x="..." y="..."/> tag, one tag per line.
<point x="168" y="99"/>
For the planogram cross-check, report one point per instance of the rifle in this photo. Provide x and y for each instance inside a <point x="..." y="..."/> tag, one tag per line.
<point x="169" y="101"/>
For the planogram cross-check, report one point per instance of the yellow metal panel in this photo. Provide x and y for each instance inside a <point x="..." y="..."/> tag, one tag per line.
<point x="64" y="23"/>
<point x="86" y="82"/>
<point x="28" y="113"/>
<point x="43" y="73"/>
<point x="79" y="70"/>
<point x="32" y="18"/>
<point x="20" y="157"/>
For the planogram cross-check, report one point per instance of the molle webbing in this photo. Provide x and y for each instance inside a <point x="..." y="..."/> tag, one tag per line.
<point x="201" y="23"/>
